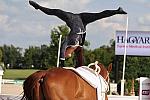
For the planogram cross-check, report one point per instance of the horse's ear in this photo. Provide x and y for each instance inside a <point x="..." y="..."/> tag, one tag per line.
<point x="109" y="67"/>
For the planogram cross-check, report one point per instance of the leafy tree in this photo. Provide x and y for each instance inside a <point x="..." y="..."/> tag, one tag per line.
<point x="28" y="61"/>
<point x="1" y="55"/>
<point x="89" y="56"/>
<point x="11" y="56"/>
<point x="132" y="67"/>
<point x="44" y="57"/>
<point x="5" y="50"/>
<point x="103" y="55"/>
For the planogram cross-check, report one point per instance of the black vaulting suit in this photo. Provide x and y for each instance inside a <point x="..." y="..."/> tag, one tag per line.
<point x="77" y="24"/>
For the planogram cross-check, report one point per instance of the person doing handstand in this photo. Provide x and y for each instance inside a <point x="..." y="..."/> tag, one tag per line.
<point x="77" y="24"/>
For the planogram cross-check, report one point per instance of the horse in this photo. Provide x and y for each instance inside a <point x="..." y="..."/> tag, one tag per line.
<point x="62" y="84"/>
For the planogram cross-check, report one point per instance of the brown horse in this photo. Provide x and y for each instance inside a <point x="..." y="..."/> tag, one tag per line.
<point x="61" y="84"/>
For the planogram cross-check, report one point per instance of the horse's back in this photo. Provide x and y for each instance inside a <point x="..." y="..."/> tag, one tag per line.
<point x="67" y="85"/>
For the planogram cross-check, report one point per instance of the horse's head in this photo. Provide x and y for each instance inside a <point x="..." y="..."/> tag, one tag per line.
<point x="105" y="71"/>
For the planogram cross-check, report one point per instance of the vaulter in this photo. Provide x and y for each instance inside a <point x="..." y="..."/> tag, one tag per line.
<point x="77" y="24"/>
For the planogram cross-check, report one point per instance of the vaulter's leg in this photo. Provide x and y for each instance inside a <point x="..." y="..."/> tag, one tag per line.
<point x="79" y="56"/>
<point x="56" y="12"/>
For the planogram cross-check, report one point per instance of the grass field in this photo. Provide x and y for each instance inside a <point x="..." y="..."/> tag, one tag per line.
<point x="17" y="73"/>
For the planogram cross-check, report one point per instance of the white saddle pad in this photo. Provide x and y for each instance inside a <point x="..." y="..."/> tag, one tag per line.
<point x="93" y="79"/>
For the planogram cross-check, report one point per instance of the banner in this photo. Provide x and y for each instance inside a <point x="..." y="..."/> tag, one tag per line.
<point x="138" y="43"/>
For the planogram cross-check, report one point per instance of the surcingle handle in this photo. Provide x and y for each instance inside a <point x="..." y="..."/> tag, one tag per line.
<point x="97" y="68"/>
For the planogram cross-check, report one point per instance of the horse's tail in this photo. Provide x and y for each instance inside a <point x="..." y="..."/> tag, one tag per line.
<point x="31" y="86"/>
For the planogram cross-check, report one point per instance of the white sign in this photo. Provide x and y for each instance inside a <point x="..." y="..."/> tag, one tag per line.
<point x="138" y="43"/>
<point x="113" y="88"/>
<point x="144" y="92"/>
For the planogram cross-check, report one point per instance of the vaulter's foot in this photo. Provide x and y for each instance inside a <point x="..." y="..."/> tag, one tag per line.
<point x="121" y="11"/>
<point x="34" y="4"/>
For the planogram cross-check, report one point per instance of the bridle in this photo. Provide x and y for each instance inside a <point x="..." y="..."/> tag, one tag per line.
<point x="107" y="77"/>
<point x="106" y="82"/>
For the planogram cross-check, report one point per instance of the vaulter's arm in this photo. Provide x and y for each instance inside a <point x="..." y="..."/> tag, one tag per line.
<point x="91" y="17"/>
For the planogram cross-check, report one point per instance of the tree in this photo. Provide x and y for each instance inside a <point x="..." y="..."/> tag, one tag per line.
<point x="1" y="55"/>
<point x="103" y="54"/>
<point x="28" y="61"/>
<point x="44" y="57"/>
<point x="89" y="56"/>
<point x="11" y="56"/>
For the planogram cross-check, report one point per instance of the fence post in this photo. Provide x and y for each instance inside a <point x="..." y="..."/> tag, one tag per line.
<point x="1" y="74"/>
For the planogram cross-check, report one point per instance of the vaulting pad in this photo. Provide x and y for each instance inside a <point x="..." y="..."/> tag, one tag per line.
<point x="96" y="81"/>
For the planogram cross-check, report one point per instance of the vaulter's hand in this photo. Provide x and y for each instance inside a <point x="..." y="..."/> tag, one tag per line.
<point x="121" y="11"/>
<point x="34" y="4"/>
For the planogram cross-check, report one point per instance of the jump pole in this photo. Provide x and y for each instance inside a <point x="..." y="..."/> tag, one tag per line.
<point x="60" y="37"/>
<point x="124" y="60"/>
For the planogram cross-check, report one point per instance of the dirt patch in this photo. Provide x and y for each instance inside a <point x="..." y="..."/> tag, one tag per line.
<point x="11" y="89"/>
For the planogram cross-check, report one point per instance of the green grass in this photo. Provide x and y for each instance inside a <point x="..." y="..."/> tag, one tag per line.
<point x="17" y="73"/>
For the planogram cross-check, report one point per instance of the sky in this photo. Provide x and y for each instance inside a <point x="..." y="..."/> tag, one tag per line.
<point x="23" y="26"/>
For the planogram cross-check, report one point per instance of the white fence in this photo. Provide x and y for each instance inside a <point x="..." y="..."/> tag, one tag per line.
<point x="9" y="81"/>
<point x="114" y="97"/>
